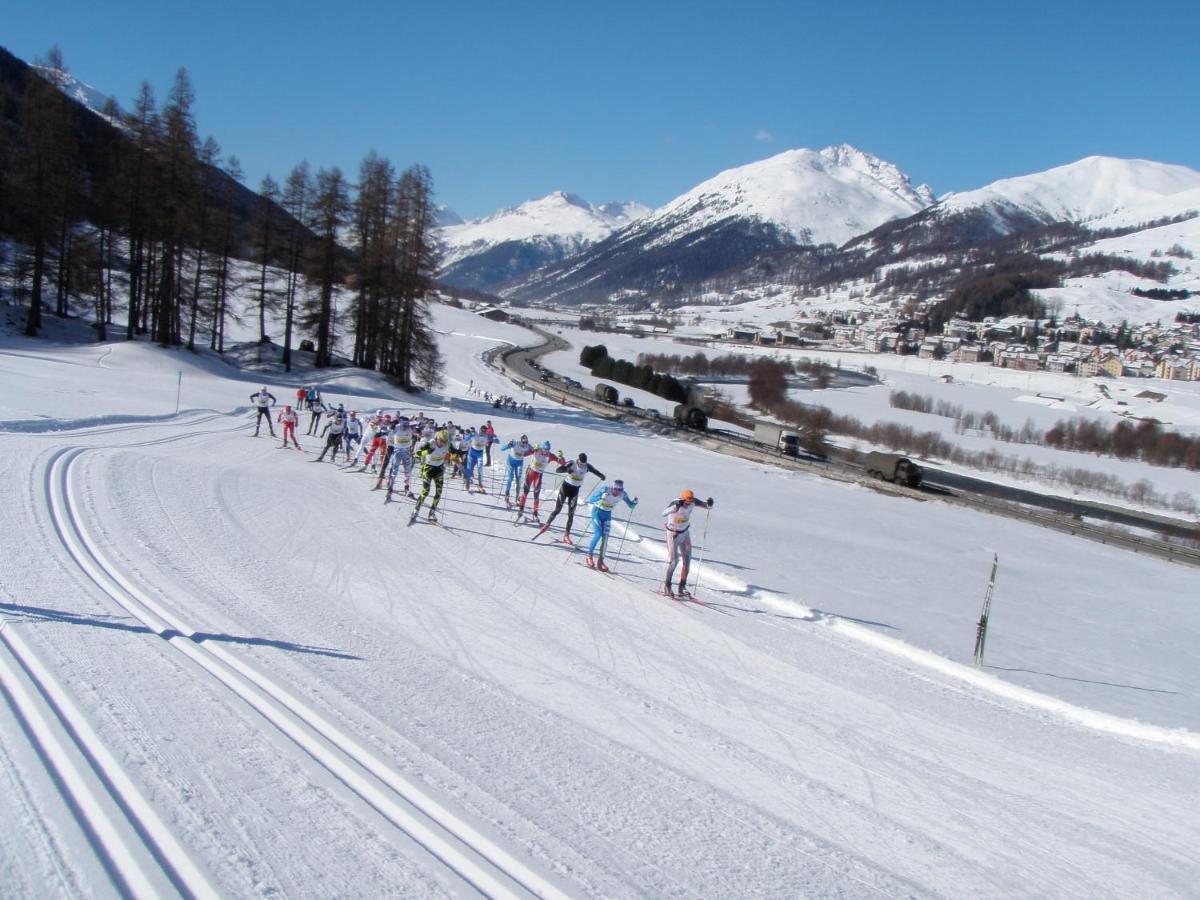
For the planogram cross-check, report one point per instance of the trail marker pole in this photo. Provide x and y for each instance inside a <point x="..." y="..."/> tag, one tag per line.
<point x="178" y="390"/>
<point x="982" y="627"/>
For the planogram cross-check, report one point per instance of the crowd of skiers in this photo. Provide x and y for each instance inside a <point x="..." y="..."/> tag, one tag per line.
<point x="392" y="446"/>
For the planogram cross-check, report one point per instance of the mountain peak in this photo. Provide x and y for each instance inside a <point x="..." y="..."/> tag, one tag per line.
<point x="826" y="196"/>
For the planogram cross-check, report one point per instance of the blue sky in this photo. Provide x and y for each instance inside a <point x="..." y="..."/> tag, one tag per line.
<point x="641" y="101"/>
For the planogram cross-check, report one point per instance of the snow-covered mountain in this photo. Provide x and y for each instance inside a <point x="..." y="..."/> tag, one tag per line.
<point x="1091" y="188"/>
<point x="507" y="244"/>
<point x="799" y="197"/>
<point x="817" y="197"/>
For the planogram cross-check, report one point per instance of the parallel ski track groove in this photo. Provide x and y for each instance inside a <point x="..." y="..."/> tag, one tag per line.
<point x="478" y="861"/>
<point x="35" y="696"/>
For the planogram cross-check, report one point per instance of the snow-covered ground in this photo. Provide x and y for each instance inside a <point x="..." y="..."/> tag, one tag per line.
<point x="290" y="693"/>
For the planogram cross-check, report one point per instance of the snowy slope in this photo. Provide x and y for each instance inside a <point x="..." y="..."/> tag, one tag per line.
<point x="294" y="694"/>
<point x="1092" y="187"/>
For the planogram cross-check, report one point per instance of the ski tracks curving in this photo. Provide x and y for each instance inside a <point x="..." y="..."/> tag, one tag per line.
<point x="463" y="849"/>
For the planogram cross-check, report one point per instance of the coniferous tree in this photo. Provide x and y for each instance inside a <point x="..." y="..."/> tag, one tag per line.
<point x="177" y="197"/>
<point x="418" y="262"/>
<point x="143" y="125"/>
<point x="227" y="245"/>
<point x="331" y="203"/>
<point x="264" y="242"/>
<point x="375" y="245"/>
<point x="44" y="171"/>
<point x="210" y="152"/>
<point x="297" y="197"/>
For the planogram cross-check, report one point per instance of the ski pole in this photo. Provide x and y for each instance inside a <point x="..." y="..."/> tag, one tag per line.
<point x="624" y="534"/>
<point x="703" y="550"/>
<point x="579" y="544"/>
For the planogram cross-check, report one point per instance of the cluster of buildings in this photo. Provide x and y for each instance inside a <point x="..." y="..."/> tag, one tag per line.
<point x="1075" y="346"/>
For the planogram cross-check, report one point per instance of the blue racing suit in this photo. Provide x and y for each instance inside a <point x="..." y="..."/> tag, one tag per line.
<point x="604" y="500"/>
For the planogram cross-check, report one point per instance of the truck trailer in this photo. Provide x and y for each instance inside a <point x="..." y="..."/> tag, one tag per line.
<point x="894" y="468"/>
<point x="606" y="393"/>
<point x="777" y="438"/>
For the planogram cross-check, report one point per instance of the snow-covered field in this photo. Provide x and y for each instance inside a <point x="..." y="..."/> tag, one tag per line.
<point x="288" y="692"/>
<point x="1040" y="398"/>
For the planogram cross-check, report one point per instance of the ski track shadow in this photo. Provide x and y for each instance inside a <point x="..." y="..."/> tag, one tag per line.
<point x="42" y="614"/>
<point x="1130" y="687"/>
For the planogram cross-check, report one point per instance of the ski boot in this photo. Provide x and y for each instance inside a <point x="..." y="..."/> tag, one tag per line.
<point x="667" y="592"/>
<point x="432" y="517"/>
<point x="601" y="565"/>
<point x="683" y="593"/>
<point x="541" y="531"/>
<point x="567" y="539"/>
<point x="589" y="562"/>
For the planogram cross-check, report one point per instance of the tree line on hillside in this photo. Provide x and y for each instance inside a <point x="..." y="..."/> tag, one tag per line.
<point x="601" y="365"/>
<point x="133" y="214"/>
<point x="736" y="364"/>
<point x="1145" y="440"/>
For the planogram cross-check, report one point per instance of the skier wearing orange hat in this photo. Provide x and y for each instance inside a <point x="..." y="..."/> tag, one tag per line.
<point x="679" y="537"/>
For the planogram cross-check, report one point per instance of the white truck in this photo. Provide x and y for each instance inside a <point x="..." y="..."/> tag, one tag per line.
<point x="777" y="438"/>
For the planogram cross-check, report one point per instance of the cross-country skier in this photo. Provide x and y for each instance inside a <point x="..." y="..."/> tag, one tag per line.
<point x="539" y="460"/>
<point x="354" y="433"/>
<point x="679" y="538"/>
<point x="568" y="492"/>
<point x="517" y="451"/>
<point x="458" y="450"/>
<point x="401" y="458"/>
<point x="491" y="433"/>
<point x="288" y="419"/>
<point x="263" y="400"/>
<point x="379" y="443"/>
<point x="478" y="443"/>
<point x="301" y="393"/>
<point x="432" y="456"/>
<point x="334" y="429"/>
<point x="317" y="408"/>
<point x="368" y="436"/>
<point x="604" y="500"/>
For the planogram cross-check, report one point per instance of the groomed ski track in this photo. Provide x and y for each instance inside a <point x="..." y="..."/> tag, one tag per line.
<point x="473" y="857"/>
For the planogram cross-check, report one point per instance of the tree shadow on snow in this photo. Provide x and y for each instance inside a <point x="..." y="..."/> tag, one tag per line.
<point x="41" y="614"/>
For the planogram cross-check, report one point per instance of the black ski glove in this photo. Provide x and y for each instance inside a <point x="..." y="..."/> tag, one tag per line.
<point x="710" y="502"/>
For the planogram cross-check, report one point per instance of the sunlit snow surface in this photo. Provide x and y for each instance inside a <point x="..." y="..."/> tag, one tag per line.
<point x="816" y="729"/>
